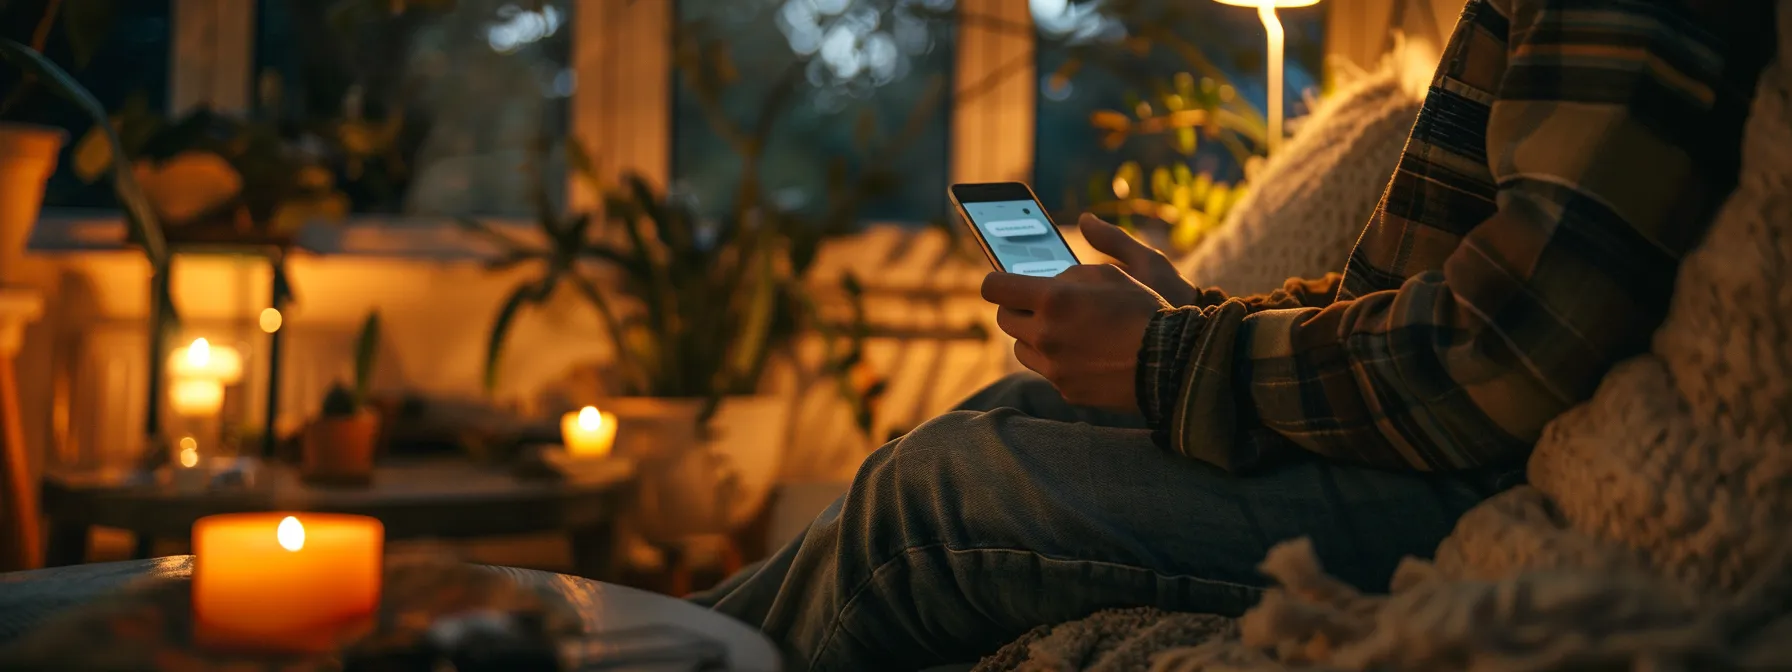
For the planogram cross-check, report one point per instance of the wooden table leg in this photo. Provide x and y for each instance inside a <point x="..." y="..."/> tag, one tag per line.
<point x="594" y="551"/>
<point x="19" y="514"/>
<point x="68" y="544"/>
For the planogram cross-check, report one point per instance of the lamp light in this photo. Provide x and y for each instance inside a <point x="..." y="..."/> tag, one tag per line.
<point x="1266" y="10"/>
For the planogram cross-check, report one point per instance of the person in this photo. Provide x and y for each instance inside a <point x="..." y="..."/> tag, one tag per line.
<point x="1566" y="157"/>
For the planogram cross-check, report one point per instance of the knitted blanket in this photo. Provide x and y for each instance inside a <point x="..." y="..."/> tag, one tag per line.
<point x="1654" y="534"/>
<point x="1307" y="204"/>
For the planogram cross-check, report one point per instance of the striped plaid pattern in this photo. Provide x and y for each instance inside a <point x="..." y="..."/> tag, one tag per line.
<point x="1568" y="154"/>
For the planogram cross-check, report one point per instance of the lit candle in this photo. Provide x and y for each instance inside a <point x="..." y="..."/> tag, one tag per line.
<point x="187" y="474"/>
<point x="204" y="361"/>
<point x="285" y="582"/>
<point x="588" y="432"/>
<point x="196" y="397"/>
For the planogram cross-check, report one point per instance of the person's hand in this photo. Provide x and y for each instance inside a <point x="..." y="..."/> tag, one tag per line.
<point x="1082" y="330"/>
<point x="1142" y="262"/>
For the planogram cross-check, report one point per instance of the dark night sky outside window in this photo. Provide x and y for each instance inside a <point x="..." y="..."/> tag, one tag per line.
<point x="881" y="55"/>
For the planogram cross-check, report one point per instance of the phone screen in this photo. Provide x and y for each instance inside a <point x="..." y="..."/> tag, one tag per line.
<point x="1020" y="237"/>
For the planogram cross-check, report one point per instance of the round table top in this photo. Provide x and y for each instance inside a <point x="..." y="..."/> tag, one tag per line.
<point x="26" y="598"/>
<point x="428" y="498"/>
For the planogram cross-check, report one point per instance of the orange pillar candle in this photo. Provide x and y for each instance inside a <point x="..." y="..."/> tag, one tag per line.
<point x="284" y="582"/>
<point x="588" y="432"/>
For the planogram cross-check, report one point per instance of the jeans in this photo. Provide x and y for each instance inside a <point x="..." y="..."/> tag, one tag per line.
<point x="1018" y="510"/>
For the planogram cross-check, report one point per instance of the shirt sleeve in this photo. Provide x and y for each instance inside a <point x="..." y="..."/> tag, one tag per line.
<point x="1593" y="140"/>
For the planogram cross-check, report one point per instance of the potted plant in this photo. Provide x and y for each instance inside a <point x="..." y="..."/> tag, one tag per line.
<point x="28" y="152"/>
<point x="220" y="179"/>
<point x="339" y="446"/>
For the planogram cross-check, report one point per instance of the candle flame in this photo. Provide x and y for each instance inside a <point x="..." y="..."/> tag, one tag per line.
<point x="590" y="419"/>
<point x="200" y="353"/>
<point x="189" y="457"/>
<point x="291" y="534"/>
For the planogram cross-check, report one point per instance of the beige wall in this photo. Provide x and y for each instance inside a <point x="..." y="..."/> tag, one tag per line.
<point x="1357" y="30"/>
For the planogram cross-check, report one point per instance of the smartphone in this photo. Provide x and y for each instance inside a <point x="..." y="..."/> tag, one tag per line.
<point x="1014" y="231"/>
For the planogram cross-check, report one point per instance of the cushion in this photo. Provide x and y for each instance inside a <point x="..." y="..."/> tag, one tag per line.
<point x="1307" y="204"/>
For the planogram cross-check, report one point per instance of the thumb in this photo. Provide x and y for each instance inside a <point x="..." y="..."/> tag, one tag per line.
<point x="1114" y="241"/>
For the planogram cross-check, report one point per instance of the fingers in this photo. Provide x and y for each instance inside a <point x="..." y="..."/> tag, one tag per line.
<point x="1020" y="292"/>
<point x="1030" y="358"/>
<point x="1023" y="326"/>
<point x="1113" y="241"/>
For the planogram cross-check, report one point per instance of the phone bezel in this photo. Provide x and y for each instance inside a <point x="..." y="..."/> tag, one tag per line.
<point x="995" y="192"/>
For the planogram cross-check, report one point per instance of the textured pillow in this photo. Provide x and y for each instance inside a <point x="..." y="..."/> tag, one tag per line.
<point x="1308" y="204"/>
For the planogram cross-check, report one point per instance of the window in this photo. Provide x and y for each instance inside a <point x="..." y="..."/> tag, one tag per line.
<point x="862" y="70"/>
<point x="1071" y="158"/>
<point x="438" y="109"/>
<point x="118" y="50"/>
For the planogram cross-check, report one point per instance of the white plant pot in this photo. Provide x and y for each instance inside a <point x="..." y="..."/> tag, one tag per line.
<point x="689" y="485"/>
<point x="27" y="158"/>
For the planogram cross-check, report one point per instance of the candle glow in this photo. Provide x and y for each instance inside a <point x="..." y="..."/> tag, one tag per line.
<point x="199" y="353"/>
<point x="298" y="582"/>
<point x="196" y="397"/>
<point x="189" y="457"/>
<point x="290" y="534"/>
<point x="588" y="432"/>
<point x="203" y="360"/>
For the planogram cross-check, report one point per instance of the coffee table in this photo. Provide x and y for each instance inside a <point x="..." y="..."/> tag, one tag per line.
<point x="26" y="598"/>
<point x="434" y="499"/>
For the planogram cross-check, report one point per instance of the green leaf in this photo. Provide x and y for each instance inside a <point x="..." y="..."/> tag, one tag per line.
<point x="510" y="247"/>
<point x="1162" y="184"/>
<point x="1183" y="174"/>
<point x="580" y="160"/>
<point x="366" y="349"/>
<point x="1217" y="198"/>
<point x="1186" y="141"/>
<point x="524" y="294"/>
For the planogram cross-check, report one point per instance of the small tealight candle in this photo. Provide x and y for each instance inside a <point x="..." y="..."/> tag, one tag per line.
<point x="187" y="474"/>
<point x="588" y="433"/>
<point x="294" y="582"/>
<point x="204" y="361"/>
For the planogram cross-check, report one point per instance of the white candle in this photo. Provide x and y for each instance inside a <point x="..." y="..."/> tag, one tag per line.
<point x="588" y="432"/>
<point x="203" y="360"/>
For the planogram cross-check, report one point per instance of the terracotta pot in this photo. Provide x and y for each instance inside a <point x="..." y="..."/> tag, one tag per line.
<point x="27" y="158"/>
<point x="689" y="484"/>
<point x="339" y="451"/>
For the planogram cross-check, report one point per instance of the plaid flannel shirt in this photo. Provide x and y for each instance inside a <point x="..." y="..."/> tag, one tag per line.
<point x="1568" y="153"/>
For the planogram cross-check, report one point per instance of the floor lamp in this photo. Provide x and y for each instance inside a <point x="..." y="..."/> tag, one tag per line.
<point x="1266" y="10"/>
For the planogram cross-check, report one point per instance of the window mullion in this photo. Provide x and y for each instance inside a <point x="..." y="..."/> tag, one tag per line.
<point x="214" y="50"/>
<point x="997" y="76"/>
<point x="622" y="106"/>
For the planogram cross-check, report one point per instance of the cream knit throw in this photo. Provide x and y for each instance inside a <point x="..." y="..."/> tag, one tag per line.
<point x="1657" y="532"/>
<point x="1307" y="205"/>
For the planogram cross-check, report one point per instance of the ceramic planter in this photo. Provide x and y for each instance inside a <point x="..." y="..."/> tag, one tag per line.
<point x="340" y="451"/>
<point x="27" y="158"/>
<point x="689" y="484"/>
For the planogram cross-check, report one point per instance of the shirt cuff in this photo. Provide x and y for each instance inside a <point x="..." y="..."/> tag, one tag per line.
<point x="1169" y="344"/>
